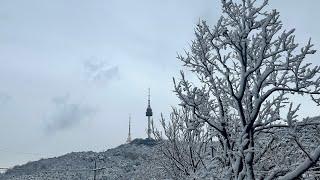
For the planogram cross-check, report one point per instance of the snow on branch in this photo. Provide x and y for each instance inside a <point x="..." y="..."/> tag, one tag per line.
<point x="247" y="68"/>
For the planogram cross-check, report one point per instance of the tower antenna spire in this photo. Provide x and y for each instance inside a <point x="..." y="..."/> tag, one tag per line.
<point x="148" y="97"/>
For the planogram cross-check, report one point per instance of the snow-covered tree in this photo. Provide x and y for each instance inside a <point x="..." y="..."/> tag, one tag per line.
<point x="248" y="69"/>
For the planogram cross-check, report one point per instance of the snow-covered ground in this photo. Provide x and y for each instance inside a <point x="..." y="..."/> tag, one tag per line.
<point x="128" y="161"/>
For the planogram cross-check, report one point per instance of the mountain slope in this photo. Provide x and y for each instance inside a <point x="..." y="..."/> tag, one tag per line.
<point x="129" y="161"/>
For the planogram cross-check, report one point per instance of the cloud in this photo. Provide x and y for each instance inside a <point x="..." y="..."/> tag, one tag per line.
<point x="100" y="71"/>
<point x="4" y="98"/>
<point x="67" y="115"/>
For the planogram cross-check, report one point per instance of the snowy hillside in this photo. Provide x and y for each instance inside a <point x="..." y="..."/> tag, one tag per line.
<point x="128" y="161"/>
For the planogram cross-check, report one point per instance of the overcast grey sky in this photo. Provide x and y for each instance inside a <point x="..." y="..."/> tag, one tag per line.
<point x="72" y="70"/>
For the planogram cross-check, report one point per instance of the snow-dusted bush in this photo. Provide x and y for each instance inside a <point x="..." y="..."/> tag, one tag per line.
<point x="184" y="146"/>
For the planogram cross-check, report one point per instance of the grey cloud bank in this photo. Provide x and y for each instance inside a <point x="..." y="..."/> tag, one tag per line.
<point x="4" y="98"/>
<point x="66" y="114"/>
<point x="100" y="71"/>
